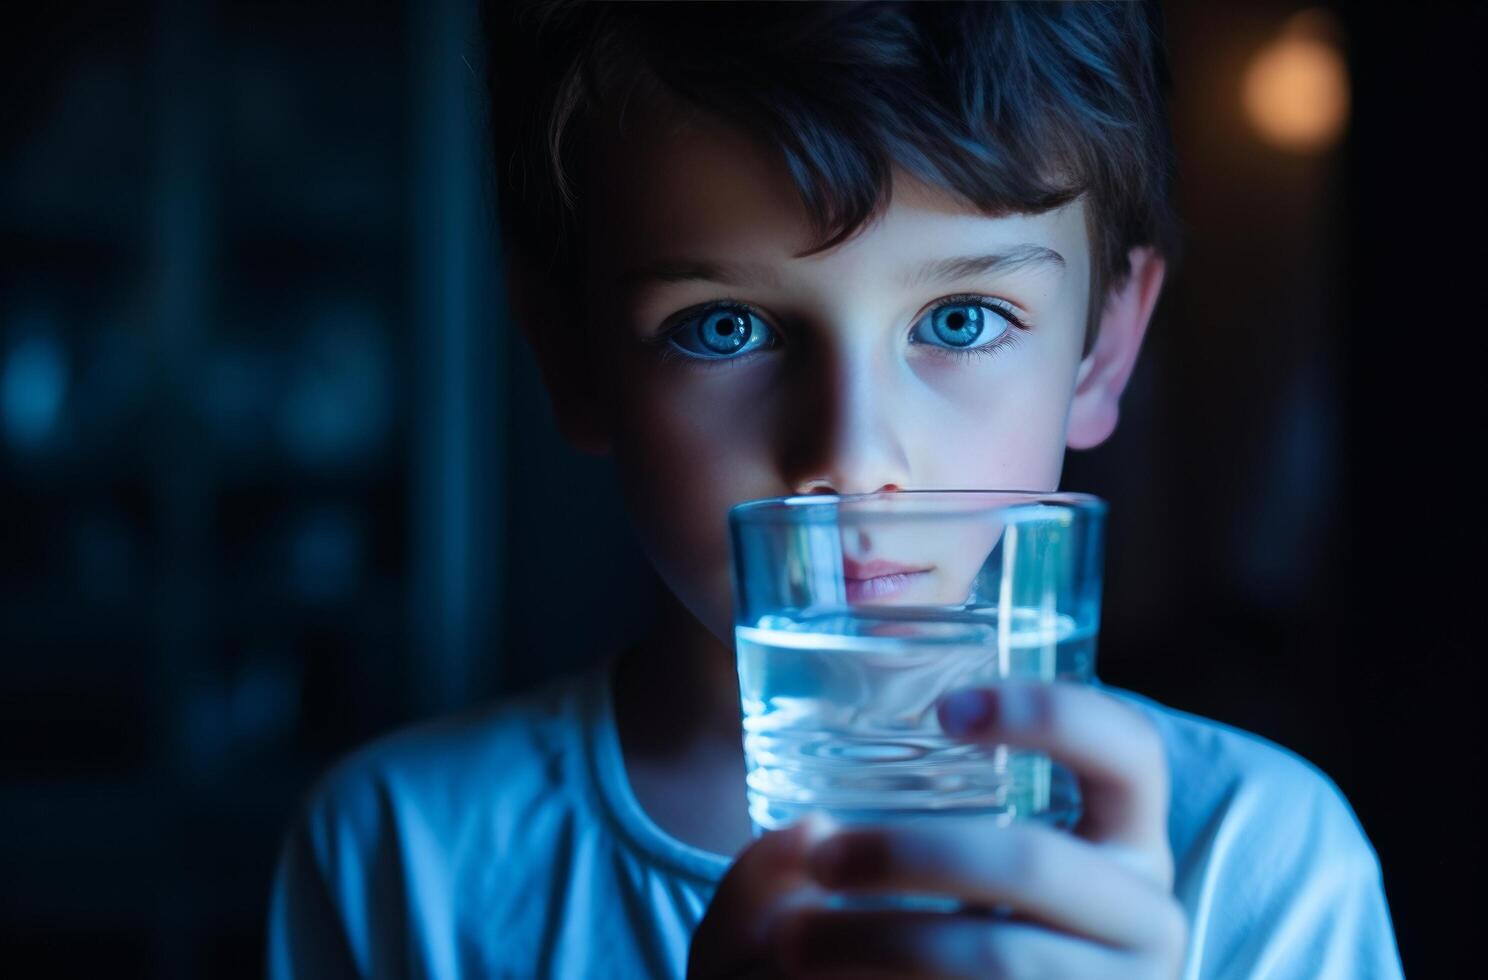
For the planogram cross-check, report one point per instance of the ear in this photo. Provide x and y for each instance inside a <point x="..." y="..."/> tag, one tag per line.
<point x="1104" y="372"/>
<point x="567" y="374"/>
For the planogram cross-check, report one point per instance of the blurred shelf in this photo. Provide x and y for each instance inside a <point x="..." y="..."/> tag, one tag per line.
<point x="324" y="213"/>
<point x="207" y="583"/>
<point x="127" y="462"/>
<point x="271" y="269"/>
<point x="52" y="219"/>
<point x="50" y="616"/>
<point x="88" y="850"/>
<point x="377" y="609"/>
<point x="276" y="470"/>
<point x="79" y="468"/>
<point x="109" y="851"/>
<point x="68" y="289"/>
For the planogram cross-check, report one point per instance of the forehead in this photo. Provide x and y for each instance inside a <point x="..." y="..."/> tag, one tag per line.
<point x="674" y="183"/>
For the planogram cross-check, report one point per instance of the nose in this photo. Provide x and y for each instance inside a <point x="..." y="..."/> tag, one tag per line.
<point x="842" y="432"/>
<point x="825" y="487"/>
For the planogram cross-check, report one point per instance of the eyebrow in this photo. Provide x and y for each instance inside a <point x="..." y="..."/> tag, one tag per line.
<point x="758" y="274"/>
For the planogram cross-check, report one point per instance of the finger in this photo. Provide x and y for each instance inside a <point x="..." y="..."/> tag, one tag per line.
<point x="756" y="891"/>
<point x="931" y="944"/>
<point x="1039" y="873"/>
<point x="1112" y="748"/>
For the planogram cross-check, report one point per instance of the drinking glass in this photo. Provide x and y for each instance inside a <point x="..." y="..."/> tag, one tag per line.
<point x="854" y="614"/>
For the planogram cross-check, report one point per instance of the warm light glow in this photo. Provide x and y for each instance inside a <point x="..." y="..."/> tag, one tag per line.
<point x="1296" y="88"/>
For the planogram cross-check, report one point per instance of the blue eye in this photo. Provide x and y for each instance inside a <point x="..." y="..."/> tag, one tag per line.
<point x="723" y="333"/>
<point x="720" y="332"/>
<point x="962" y="322"/>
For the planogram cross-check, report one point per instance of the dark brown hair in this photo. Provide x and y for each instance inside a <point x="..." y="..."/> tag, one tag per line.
<point x="1012" y="107"/>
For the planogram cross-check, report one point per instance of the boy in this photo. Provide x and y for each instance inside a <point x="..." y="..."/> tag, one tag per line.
<point x="798" y="248"/>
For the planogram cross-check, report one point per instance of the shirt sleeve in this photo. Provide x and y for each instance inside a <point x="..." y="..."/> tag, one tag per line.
<point x="1293" y="889"/>
<point x="307" y="936"/>
<point x="362" y="888"/>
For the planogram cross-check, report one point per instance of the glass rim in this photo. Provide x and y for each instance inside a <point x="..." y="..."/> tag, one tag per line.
<point x="768" y="507"/>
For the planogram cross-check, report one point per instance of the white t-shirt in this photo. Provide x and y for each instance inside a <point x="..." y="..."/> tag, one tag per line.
<point x="506" y="842"/>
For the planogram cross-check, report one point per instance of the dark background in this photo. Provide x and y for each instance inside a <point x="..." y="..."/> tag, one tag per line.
<point x="270" y="453"/>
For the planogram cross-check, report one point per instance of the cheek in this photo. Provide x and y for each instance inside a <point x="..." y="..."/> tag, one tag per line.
<point x="695" y="451"/>
<point x="1000" y="431"/>
<point x="677" y="471"/>
<point x="685" y="455"/>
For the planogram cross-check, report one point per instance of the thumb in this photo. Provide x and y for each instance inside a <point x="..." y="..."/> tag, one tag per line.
<point x="765" y="881"/>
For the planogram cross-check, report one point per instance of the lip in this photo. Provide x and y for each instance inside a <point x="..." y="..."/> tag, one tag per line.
<point x="877" y="568"/>
<point x="861" y="590"/>
<point x="878" y="579"/>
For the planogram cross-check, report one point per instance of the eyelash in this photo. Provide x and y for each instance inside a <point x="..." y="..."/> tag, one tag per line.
<point x="669" y="353"/>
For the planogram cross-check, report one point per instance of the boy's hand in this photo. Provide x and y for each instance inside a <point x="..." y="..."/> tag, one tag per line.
<point x="1095" y="904"/>
<point x="738" y="938"/>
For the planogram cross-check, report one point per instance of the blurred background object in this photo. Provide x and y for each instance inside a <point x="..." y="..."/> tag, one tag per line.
<point x="277" y="476"/>
<point x="1296" y="89"/>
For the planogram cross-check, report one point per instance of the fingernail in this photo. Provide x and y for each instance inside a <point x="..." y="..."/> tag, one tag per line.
<point x="965" y="712"/>
<point x="814" y="828"/>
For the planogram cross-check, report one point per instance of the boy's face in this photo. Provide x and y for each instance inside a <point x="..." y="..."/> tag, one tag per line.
<point x="852" y="373"/>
